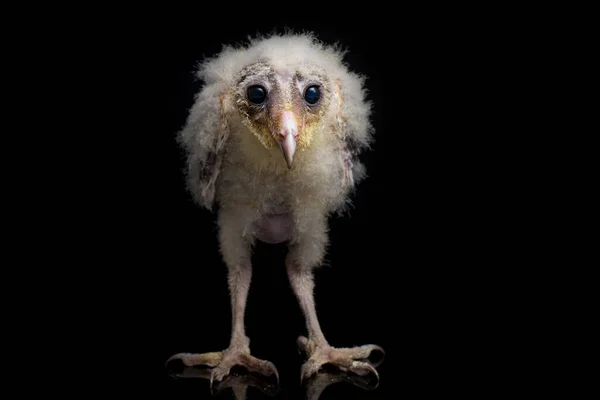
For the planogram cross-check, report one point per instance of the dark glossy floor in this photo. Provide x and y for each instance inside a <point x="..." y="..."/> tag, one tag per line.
<point x="194" y="383"/>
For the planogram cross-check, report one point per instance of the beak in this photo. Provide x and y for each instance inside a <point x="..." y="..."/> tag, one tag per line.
<point x="287" y="136"/>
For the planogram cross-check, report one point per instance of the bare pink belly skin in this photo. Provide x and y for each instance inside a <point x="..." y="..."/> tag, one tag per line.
<point x="275" y="228"/>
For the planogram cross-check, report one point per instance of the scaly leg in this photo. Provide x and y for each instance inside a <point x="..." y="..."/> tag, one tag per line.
<point x="300" y="260"/>
<point x="237" y="257"/>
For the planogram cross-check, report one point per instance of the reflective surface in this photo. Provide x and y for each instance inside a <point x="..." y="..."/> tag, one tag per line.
<point x="329" y="383"/>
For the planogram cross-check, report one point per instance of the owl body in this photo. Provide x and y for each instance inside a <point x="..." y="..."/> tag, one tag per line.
<point x="284" y="94"/>
<point x="264" y="186"/>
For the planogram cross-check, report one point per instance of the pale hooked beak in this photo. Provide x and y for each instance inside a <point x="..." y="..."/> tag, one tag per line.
<point x="287" y="136"/>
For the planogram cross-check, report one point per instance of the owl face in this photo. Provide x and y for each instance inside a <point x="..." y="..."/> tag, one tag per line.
<point x="282" y="105"/>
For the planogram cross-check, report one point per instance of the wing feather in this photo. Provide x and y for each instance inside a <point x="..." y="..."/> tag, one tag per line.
<point x="353" y="127"/>
<point x="203" y="139"/>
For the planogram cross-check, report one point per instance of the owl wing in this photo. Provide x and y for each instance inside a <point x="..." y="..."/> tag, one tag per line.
<point x="352" y="165"/>
<point x="204" y="138"/>
<point x="352" y="126"/>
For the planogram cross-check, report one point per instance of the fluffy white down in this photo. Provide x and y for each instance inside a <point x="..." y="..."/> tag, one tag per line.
<point x="228" y="167"/>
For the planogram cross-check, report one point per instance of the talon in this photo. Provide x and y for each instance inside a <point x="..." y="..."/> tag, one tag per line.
<point x="308" y="369"/>
<point x="359" y="366"/>
<point x="374" y="347"/>
<point x="271" y="367"/>
<point x="371" y="348"/>
<point x="212" y="375"/>
<point x="183" y="357"/>
<point x="304" y="373"/>
<point x="380" y="349"/>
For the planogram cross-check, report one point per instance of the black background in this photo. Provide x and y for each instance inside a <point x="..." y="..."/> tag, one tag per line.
<point x="412" y="268"/>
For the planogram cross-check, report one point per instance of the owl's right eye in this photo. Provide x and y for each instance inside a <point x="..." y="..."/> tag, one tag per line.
<point x="257" y="94"/>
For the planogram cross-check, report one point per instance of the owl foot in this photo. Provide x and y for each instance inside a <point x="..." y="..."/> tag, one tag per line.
<point x="222" y="362"/>
<point x="354" y="359"/>
<point x="238" y="383"/>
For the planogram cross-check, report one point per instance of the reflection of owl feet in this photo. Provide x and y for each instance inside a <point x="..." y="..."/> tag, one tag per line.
<point x="222" y="362"/>
<point x="238" y="380"/>
<point x="317" y="383"/>
<point x="353" y="359"/>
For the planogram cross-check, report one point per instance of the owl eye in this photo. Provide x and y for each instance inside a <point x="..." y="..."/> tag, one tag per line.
<point x="312" y="95"/>
<point x="257" y="94"/>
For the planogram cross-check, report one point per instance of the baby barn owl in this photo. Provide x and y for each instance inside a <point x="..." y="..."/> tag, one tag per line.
<point x="271" y="142"/>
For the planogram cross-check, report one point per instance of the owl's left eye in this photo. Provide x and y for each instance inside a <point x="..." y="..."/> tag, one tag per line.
<point x="312" y="95"/>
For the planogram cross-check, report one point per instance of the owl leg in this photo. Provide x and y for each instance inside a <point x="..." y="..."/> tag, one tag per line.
<point x="302" y="257"/>
<point x="238" y="352"/>
<point x="236" y="253"/>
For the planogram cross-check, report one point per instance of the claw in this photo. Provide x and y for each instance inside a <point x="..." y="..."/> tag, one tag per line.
<point x="371" y="348"/>
<point x="302" y="373"/>
<point x="374" y="347"/>
<point x="183" y="357"/>
<point x="309" y="368"/>
<point x="212" y="375"/>
<point x="365" y="368"/>
<point x="271" y="367"/>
